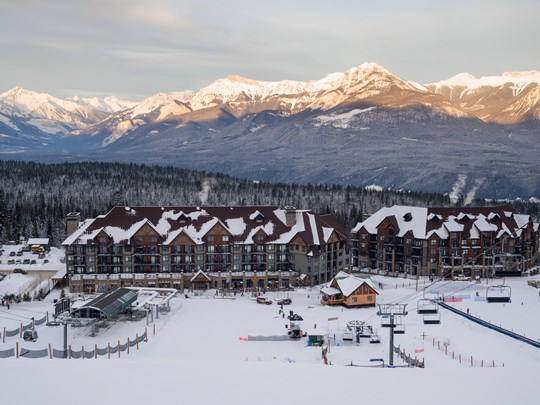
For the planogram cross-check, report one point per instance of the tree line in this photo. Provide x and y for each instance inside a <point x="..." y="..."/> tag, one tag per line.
<point x="35" y="198"/>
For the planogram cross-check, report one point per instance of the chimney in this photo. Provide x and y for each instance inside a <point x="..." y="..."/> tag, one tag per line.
<point x="290" y="216"/>
<point x="72" y="222"/>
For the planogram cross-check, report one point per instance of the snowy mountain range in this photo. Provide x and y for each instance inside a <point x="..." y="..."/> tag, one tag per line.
<point x="398" y="133"/>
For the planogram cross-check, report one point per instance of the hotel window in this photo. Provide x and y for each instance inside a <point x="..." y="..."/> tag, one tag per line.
<point x="225" y="238"/>
<point x="210" y="238"/>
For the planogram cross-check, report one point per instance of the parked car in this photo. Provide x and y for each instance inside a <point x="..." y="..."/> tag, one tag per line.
<point x="19" y="271"/>
<point x="285" y="301"/>
<point x="41" y="255"/>
<point x="264" y="300"/>
<point x="33" y="261"/>
<point x="12" y="253"/>
<point x="45" y="261"/>
<point x="461" y="277"/>
<point x="11" y="261"/>
<point x="19" y="253"/>
<point x="26" y="261"/>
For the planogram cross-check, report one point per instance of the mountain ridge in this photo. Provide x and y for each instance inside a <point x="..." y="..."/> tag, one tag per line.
<point x="363" y="126"/>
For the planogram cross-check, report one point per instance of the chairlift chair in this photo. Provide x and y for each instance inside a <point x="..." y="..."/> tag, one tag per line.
<point x="365" y="331"/>
<point x="354" y="324"/>
<point x="375" y="338"/>
<point x="385" y="321"/>
<point x="432" y="319"/>
<point x="348" y="335"/>
<point x="399" y="329"/>
<point x="427" y="306"/>
<point x="498" y="293"/>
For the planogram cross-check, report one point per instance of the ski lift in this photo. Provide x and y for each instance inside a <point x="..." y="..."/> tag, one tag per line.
<point x="348" y="335"/>
<point x="427" y="306"/>
<point x="375" y="338"/>
<point x="353" y="325"/>
<point x="385" y="321"/>
<point x="498" y="293"/>
<point x="399" y="328"/>
<point x="30" y="335"/>
<point x="431" y="319"/>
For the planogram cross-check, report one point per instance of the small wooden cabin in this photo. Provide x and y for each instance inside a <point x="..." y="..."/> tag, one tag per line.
<point x="350" y="291"/>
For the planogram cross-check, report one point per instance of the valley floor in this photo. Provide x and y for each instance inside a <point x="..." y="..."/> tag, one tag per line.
<point x="197" y="355"/>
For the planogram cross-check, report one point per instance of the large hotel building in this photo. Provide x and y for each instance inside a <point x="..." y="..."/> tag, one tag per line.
<point x="204" y="247"/>
<point x="473" y="241"/>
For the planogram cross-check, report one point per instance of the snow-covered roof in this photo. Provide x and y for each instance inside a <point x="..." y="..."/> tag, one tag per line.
<point x="409" y="219"/>
<point x="122" y="223"/>
<point x="330" y="290"/>
<point x="200" y="272"/>
<point x="348" y="283"/>
<point x="452" y="226"/>
<point x="38" y="241"/>
<point x="426" y="222"/>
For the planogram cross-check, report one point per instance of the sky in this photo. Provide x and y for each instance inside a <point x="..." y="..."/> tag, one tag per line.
<point x="136" y="48"/>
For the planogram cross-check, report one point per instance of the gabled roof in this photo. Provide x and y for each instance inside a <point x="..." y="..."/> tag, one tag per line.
<point x="416" y="224"/>
<point x="242" y="223"/>
<point x="440" y="221"/>
<point x="199" y="273"/>
<point x="348" y="283"/>
<point x="111" y="302"/>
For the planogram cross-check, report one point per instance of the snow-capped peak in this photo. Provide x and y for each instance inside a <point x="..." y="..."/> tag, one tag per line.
<point x="461" y="79"/>
<point x="470" y="81"/>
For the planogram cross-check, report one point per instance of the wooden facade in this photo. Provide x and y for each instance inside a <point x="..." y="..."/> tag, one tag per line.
<point x="350" y="291"/>
<point x="475" y="241"/>
<point x="235" y="247"/>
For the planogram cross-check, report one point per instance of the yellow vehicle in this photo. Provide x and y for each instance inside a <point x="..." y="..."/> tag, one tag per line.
<point x="37" y="249"/>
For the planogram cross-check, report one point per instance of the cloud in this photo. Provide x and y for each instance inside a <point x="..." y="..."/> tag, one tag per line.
<point x="157" y="15"/>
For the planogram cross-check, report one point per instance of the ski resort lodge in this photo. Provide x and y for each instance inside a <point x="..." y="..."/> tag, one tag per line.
<point x="208" y="247"/>
<point x="471" y="241"/>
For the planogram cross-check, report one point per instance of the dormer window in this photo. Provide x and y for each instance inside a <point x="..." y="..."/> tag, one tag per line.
<point x="257" y="217"/>
<point x="494" y="216"/>
<point x="182" y="219"/>
<point x="407" y="217"/>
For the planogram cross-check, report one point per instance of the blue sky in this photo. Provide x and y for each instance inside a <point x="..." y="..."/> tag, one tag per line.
<point x="136" y="48"/>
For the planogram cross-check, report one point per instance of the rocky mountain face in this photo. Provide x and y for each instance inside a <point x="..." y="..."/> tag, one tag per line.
<point x="510" y="98"/>
<point x="362" y="127"/>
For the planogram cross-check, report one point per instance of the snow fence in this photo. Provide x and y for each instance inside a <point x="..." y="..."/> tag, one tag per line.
<point x="94" y="353"/>
<point x="22" y="328"/>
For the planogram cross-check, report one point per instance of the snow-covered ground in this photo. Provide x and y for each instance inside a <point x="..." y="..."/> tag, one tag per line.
<point x="197" y="355"/>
